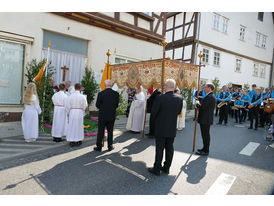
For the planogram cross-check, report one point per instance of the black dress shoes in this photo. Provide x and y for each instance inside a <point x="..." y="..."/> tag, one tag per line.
<point x="250" y="127"/>
<point x="256" y="128"/>
<point x="72" y="144"/>
<point x="97" y="149"/>
<point x="152" y="171"/>
<point x="79" y="143"/>
<point x="202" y="153"/>
<point x="164" y="170"/>
<point x="200" y="150"/>
<point x="110" y="148"/>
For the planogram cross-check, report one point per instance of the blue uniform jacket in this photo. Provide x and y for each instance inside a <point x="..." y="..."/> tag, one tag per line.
<point x="226" y="96"/>
<point x="201" y="91"/>
<point x="239" y="103"/>
<point x="255" y="98"/>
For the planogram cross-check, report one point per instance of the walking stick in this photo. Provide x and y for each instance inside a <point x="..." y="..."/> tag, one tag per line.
<point x="196" y="109"/>
<point x="145" y="120"/>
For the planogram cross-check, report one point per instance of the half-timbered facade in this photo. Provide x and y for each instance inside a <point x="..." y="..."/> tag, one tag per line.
<point x="237" y="47"/>
<point x="78" y="39"/>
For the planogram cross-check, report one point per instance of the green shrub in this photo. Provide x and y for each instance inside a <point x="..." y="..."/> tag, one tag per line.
<point x="122" y="107"/>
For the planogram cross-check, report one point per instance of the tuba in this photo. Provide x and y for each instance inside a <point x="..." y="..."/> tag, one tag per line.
<point x="269" y="107"/>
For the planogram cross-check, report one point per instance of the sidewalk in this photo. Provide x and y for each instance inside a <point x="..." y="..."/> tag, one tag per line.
<point x="14" y="146"/>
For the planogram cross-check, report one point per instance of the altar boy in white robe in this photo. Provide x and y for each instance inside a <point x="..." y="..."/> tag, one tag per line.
<point x="136" y="116"/>
<point x="59" y="115"/>
<point x="75" y="107"/>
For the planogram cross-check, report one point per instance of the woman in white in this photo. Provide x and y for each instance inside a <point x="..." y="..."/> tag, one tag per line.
<point x="137" y="112"/>
<point x="30" y="123"/>
<point x="59" y="115"/>
<point x="182" y="116"/>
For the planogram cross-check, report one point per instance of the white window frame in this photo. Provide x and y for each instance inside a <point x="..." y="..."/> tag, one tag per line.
<point x="258" y="37"/>
<point x="263" y="44"/>
<point x="242" y="32"/>
<point x="225" y="25"/>
<point x="205" y="58"/>
<point x="255" y="69"/>
<point x="216" y="60"/>
<point x="216" y="21"/>
<point x="125" y="60"/>
<point x="262" y="71"/>
<point x="238" y="65"/>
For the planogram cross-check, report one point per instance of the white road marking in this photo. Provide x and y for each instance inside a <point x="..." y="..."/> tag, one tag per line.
<point x="222" y="185"/>
<point x="249" y="148"/>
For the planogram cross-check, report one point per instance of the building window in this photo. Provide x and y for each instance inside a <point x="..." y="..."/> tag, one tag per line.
<point x="263" y="41"/>
<point x="225" y="25"/>
<point x="242" y="33"/>
<point x="255" y="71"/>
<point x="11" y="67"/>
<point x="205" y="55"/>
<point x="148" y="13"/>
<point x="216" y="19"/>
<point x="260" y="16"/>
<point x="238" y="65"/>
<point x="262" y="72"/>
<point x="119" y="60"/>
<point x="216" y="59"/>
<point x="258" y="37"/>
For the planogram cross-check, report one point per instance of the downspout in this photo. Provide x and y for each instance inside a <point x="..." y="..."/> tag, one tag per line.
<point x="271" y="83"/>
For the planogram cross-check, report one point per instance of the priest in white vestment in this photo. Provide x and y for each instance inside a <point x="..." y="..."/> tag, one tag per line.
<point x="75" y="107"/>
<point x="137" y="112"/>
<point x="30" y="124"/>
<point x="182" y="116"/>
<point x="59" y="116"/>
<point x="69" y="88"/>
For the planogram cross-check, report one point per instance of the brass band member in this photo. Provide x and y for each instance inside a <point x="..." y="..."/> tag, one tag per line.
<point x="238" y="105"/>
<point x="254" y="106"/>
<point x="218" y="102"/>
<point x="224" y="98"/>
<point x="245" y="98"/>
<point x="265" y="118"/>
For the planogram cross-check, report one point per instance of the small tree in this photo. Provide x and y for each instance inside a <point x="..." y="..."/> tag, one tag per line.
<point x="187" y="95"/>
<point x="246" y="87"/>
<point x="216" y="83"/>
<point x="43" y="88"/>
<point x="90" y="85"/>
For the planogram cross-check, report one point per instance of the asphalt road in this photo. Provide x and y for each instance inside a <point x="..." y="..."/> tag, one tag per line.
<point x="123" y="171"/>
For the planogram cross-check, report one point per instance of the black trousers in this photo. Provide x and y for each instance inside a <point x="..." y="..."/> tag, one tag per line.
<point x="205" y="128"/>
<point x="151" y="126"/>
<point x="223" y="114"/>
<point x="161" y="144"/>
<point x="265" y="118"/>
<point x="254" y="114"/>
<point x="239" y="115"/>
<point x="101" y="129"/>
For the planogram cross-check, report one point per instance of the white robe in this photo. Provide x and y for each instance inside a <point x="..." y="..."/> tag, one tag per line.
<point x="75" y="106"/>
<point x="60" y="120"/>
<point x="137" y="113"/>
<point x="70" y="91"/>
<point x="181" y="120"/>
<point x="30" y="122"/>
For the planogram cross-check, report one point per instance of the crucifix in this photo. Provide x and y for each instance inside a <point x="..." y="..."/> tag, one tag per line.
<point x="64" y="72"/>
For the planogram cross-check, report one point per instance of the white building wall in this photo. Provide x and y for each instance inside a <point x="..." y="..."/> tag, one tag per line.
<point x="100" y="40"/>
<point x="231" y="40"/>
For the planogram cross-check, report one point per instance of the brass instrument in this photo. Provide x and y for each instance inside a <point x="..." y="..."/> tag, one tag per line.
<point x="237" y="107"/>
<point x="223" y="103"/>
<point x="251" y="105"/>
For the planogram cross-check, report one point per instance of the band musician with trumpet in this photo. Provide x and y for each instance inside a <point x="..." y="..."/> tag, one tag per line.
<point x="265" y="118"/>
<point x="224" y="99"/>
<point x="254" y="107"/>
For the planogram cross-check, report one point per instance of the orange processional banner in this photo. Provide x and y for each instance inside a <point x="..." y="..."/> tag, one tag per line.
<point x="149" y="73"/>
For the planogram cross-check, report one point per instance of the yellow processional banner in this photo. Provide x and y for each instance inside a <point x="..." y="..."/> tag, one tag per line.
<point x="149" y="73"/>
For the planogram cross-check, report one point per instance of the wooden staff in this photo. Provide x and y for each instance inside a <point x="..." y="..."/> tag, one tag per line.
<point x="164" y="43"/>
<point x="108" y="54"/>
<point x="196" y="109"/>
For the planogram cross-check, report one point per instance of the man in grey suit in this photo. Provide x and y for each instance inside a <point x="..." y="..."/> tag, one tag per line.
<point x="205" y="117"/>
<point x="164" y="111"/>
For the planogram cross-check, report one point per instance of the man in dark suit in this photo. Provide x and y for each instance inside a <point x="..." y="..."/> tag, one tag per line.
<point x="150" y="102"/>
<point x="205" y="117"/>
<point x="107" y="102"/>
<point x="165" y="111"/>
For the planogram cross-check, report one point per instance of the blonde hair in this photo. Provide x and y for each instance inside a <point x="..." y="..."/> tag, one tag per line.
<point x="31" y="90"/>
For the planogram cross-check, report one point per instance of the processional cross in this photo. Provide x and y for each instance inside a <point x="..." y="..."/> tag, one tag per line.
<point x="64" y="72"/>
